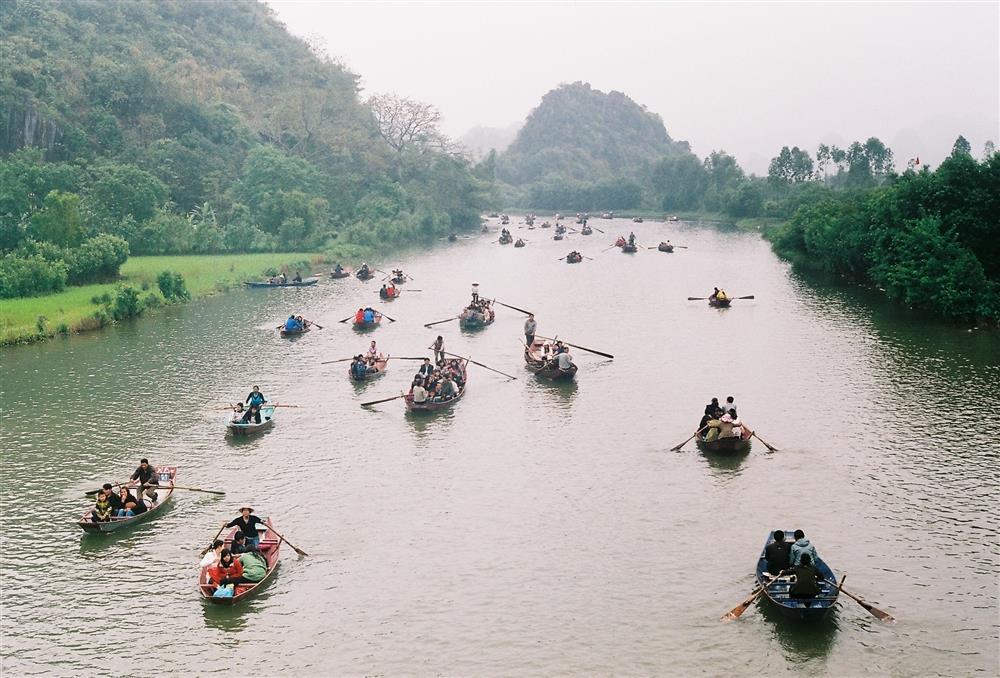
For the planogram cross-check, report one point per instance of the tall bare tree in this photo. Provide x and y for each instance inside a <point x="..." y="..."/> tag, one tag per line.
<point x="403" y="122"/>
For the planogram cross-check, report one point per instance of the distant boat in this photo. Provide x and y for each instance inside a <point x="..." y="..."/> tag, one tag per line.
<point x="306" y="282"/>
<point x="165" y="475"/>
<point x="238" y="428"/>
<point x="437" y="405"/>
<point x="665" y="247"/>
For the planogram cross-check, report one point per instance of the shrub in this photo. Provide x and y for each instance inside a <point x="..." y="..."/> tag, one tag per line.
<point x="172" y="286"/>
<point x="97" y="259"/>
<point x="30" y="276"/>
<point x="126" y="303"/>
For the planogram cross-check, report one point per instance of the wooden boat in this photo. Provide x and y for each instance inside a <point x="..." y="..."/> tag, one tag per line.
<point x="437" y="405"/>
<point x="506" y="239"/>
<point x="637" y="220"/>
<point x="381" y="363"/>
<point x="546" y="368"/>
<point x="665" y="247"/>
<point x="546" y="225"/>
<point x="574" y="258"/>
<point x="719" y="303"/>
<point x="368" y="326"/>
<point x="805" y="609"/>
<point x="344" y="273"/>
<point x="386" y="296"/>
<point x="586" y="230"/>
<point x="519" y="243"/>
<point x="558" y="236"/>
<point x="167" y="477"/>
<point x="365" y="274"/>
<point x="530" y="220"/>
<point x="238" y="428"/>
<point x="729" y="445"/>
<point x="269" y="546"/>
<point x="293" y="333"/>
<point x="306" y="282"/>
<point x="629" y="249"/>
<point x="471" y="319"/>
<point x="504" y="219"/>
<point x="607" y="215"/>
<point x="673" y="217"/>
<point x="621" y="242"/>
<point x="560" y="228"/>
<point x="452" y="237"/>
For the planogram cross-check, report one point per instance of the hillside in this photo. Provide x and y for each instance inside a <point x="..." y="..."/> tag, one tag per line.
<point x="481" y="140"/>
<point x="205" y="127"/>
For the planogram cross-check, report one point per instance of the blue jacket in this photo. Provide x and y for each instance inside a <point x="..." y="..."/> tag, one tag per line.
<point x="292" y="324"/>
<point x="798" y="548"/>
<point x="369" y="317"/>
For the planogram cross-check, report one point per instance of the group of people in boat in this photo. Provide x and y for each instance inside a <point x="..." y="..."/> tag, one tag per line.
<point x="123" y="503"/>
<point x="364" y="271"/>
<point x="297" y="323"/>
<point x="722" y="421"/>
<point x="364" y="364"/>
<point x="366" y="316"/>
<point x="797" y="558"/>
<point x="480" y="305"/>
<point x="505" y="235"/>
<point x="282" y="278"/>
<point x="241" y="563"/>
<point x="254" y="401"/>
<point x="388" y="291"/>
<point x="438" y="383"/>
<point x="718" y="295"/>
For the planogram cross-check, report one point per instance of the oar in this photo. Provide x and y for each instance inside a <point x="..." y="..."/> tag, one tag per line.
<point x="582" y="348"/>
<point x="697" y="298"/>
<point x="515" y="308"/>
<point x="350" y="317"/>
<point x="742" y="607"/>
<point x="314" y="323"/>
<point x="772" y="449"/>
<point x="509" y="376"/>
<point x="880" y="614"/>
<point x="749" y="296"/>
<point x="192" y="489"/>
<point x="330" y="362"/>
<point x="438" y="322"/>
<point x="92" y="493"/>
<point x="676" y="448"/>
<point x="277" y="405"/>
<point x="392" y="320"/>
<point x="597" y="229"/>
<point x="586" y="257"/>
<point x="209" y="547"/>
<point x="609" y="248"/>
<point x="384" y="400"/>
<point x="282" y="538"/>
<point x="407" y="358"/>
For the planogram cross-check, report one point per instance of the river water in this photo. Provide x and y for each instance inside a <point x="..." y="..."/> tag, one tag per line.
<point x="534" y="529"/>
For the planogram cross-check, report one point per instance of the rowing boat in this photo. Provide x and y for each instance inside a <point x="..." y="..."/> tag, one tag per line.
<point x="269" y="546"/>
<point x="519" y="243"/>
<point x="574" y="258"/>
<point x="305" y="282"/>
<point x="506" y="240"/>
<point x="437" y="405"/>
<point x="805" y="609"/>
<point x="389" y="297"/>
<point x="166" y="476"/>
<point x="364" y="326"/>
<point x="342" y="274"/>
<point x="728" y="445"/>
<point x="365" y="274"/>
<point x="719" y="303"/>
<point x="238" y="428"/>
<point x="558" y="236"/>
<point x="665" y="247"/>
<point x="637" y="220"/>
<point x="471" y="319"/>
<point x="284" y="332"/>
<point x="381" y="363"/>
<point x="630" y="249"/>
<point x="586" y="230"/>
<point x="543" y="367"/>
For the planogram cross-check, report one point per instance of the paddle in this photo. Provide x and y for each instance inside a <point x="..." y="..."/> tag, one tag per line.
<point x="676" y="448"/>
<point x="192" y="489"/>
<point x="282" y="538"/>
<point x="880" y="614"/>
<point x="582" y="348"/>
<point x="209" y="547"/>
<point x="392" y="320"/>
<point x="330" y="362"/>
<point x="609" y="248"/>
<point x="404" y="358"/>
<point x="510" y="376"/>
<point x="586" y="257"/>
<point x="757" y="593"/>
<point x="440" y="321"/>
<point x="772" y="449"/>
<point x="350" y="317"/>
<point x="277" y="405"/>
<point x="597" y="229"/>
<point x="384" y="400"/>
<point x="92" y="493"/>
<point x="514" y="308"/>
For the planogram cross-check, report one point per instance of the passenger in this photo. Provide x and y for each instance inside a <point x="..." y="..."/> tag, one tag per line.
<point x="113" y="499"/>
<point x="711" y="408"/>
<point x="228" y="571"/>
<point x="448" y="390"/>
<point x="806" y="584"/>
<point x="237" y="412"/>
<point x="714" y="426"/>
<point x="358" y="368"/>
<point x="721" y="295"/>
<point x="418" y="391"/>
<point x="565" y="360"/>
<point x="282" y="278"/>
<point x="777" y="553"/>
<point x="241" y="544"/>
<point x="101" y="512"/>
<point x="297" y="278"/>
<point x="246" y="523"/>
<point x="802" y="547"/>
<point x="384" y="292"/>
<point x="391" y="291"/>
<point x="140" y="505"/>
<point x="730" y="405"/>
<point x="127" y="503"/>
<point x="256" y="397"/>
<point x="148" y="479"/>
<point x="303" y="323"/>
<point x="425" y="369"/>
<point x="211" y="556"/>
<point x="338" y="269"/>
<point x="726" y="425"/>
<point x="739" y="431"/>
<point x="253" y="412"/>
<point x="369" y="316"/>
<point x="359" y="317"/>
<point x="291" y="325"/>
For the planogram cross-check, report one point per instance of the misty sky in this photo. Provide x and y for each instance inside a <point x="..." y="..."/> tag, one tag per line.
<point x="747" y="77"/>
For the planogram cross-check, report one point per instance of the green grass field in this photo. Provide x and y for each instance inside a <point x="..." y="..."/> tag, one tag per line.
<point x="70" y="310"/>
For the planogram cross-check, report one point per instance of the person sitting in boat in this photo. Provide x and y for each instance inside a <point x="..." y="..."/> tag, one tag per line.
<point x="364" y="269"/>
<point x="730" y="404"/>
<point x="384" y="292"/>
<point x="806" y="583"/>
<point x="565" y="360"/>
<point x="425" y="369"/>
<point x="297" y="278"/>
<point x="113" y="499"/>
<point x="241" y="544"/>
<point x="447" y="391"/>
<point x="391" y="291"/>
<point x="282" y="278"/>
<point x="359" y="317"/>
<point x="148" y="479"/>
<point x="253" y="412"/>
<point x="127" y="503"/>
<point x="369" y="316"/>
<point x="631" y="239"/>
<point x="714" y="427"/>
<point x="247" y="523"/>
<point x="777" y="553"/>
<point x="292" y="324"/>
<point x="714" y="295"/>
<point x="418" y="391"/>
<point x="358" y="367"/>
<point x="720" y="295"/>
<point x="228" y="571"/>
<point x="101" y="512"/>
<point x="726" y="425"/>
<point x="256" y="397"/>
<point x="237" y="412"/>
<point x="338" y="269"/>
<point x="802" y="547"/>
<point x="211" y="556"/>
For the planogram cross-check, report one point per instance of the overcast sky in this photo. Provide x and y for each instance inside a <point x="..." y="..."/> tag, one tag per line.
<point x="744" y="77"/>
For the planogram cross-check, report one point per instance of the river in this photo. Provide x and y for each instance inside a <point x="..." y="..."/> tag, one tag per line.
<point x="534" y="529"/>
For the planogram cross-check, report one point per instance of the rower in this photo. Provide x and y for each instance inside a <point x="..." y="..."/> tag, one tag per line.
<point x="359" y="317"/>
<point x="369" y="316"/>
<point x="714" y="295"/>
<point x="384" y="292"/>
<point x="247" y="523"/>
<point x="631" y="239"/>
<point x="565" y="361"/>
<point x="338" y="269"/>
<point x="297" y="278"/>
<point x="148" y="479"/>
<point x="438" y="348"/>
<point x="256" y="397"/>
<point x="373" y="349"/>
<point x="292" y="324"/>
<point x="529" y="330"/>
<point x="475" y="294"/>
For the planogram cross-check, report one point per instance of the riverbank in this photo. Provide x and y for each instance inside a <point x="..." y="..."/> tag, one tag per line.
<point x="73" y="310"/>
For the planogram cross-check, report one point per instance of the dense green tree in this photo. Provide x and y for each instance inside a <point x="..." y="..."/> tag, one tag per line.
<point x="58" y="221"/>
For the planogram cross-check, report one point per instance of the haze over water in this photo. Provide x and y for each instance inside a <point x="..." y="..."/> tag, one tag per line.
<point x="534" y="529"/>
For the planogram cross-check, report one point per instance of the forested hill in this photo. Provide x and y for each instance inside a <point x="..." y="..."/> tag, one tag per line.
<point x="205" y="126"/>
<point x="580" y="135"/>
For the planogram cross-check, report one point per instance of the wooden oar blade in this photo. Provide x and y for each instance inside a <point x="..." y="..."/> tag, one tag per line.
<point x="438" y="322"/>
<point x="735" y="613"/>
<point x="697" y="298"/>
<point x="384" y="400"/>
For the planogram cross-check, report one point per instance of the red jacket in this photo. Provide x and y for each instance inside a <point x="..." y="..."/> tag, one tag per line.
<point x="359" y="317"/>
<point x="217" y="572"/>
